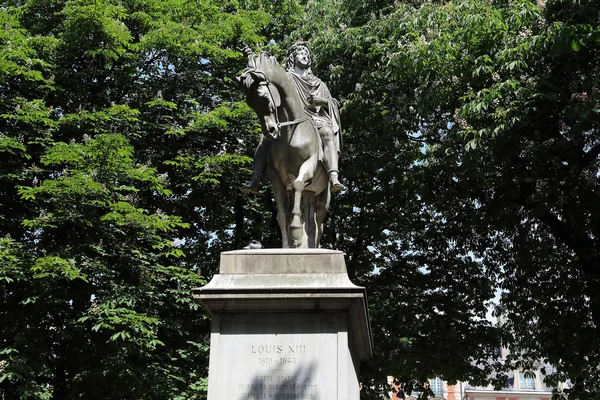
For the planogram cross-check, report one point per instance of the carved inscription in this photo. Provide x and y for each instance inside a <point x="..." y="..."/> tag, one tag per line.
<point x="278" y="349"/>
<point x="274" y="383"/>
<point x="277" y="387"/>
<point x="282" y="354"/>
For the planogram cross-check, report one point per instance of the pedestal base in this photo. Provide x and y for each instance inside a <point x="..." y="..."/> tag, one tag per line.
<point x="298" y="333"/>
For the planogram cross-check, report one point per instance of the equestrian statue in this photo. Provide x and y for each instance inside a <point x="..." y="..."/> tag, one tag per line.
<point x="300" y="143"/>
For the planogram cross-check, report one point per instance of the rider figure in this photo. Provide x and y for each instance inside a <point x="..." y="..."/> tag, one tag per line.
<point x="319" y="106"/>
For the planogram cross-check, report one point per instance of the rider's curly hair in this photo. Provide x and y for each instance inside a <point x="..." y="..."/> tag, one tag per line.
<point x="291" y="60"/>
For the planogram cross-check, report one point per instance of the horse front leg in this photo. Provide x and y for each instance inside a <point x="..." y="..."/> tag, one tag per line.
<point x="306" y="173"/>
<point x="280" y="194"/>
<point x="321" y="207"/>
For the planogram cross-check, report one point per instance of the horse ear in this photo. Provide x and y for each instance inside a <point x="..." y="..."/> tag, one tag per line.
<point x="257" y="76"/>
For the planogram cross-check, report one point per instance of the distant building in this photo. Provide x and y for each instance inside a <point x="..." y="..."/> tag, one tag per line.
<point x="521" y="387"/>
<point x="438" y="387"/>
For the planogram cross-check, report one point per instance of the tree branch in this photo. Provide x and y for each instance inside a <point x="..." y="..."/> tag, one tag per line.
<point x="580" y="243"/>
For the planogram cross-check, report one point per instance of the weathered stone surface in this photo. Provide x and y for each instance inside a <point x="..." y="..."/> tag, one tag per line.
<point x="299" y="333"/>
<point x="283" y="261"/>
<point x="274" y="355"/>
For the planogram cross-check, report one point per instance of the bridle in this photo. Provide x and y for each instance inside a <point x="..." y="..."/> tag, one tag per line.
<point x="276" y="103"/>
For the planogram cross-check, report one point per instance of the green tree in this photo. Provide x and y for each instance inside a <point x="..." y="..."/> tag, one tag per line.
<point x="123" y="141"/>
<point x="471" y="154"/>
<point x="471" y="160"/>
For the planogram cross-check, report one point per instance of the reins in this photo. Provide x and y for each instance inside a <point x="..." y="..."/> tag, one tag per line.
<point x="286" y="123"/>
<point x="294" y="122"/>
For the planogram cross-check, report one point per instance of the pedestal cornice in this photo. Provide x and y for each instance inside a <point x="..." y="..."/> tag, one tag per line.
<point x="288" y="280"/>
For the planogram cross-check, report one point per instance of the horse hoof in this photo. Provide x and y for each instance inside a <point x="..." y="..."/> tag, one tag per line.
<point x="297" y="233"/>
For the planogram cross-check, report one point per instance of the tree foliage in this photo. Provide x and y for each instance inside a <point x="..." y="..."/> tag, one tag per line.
<point x="470" y="155"/>
<point x="472" y="148"/>
<point x="119" y="121"/>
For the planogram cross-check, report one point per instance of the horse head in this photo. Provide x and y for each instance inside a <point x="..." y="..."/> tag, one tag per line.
<point x="263" y="97"/>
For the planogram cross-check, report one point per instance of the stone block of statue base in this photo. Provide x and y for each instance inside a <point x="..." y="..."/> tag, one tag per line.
<point x="286" y="324"/>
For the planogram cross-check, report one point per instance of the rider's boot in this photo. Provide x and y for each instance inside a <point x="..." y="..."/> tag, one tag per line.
<point x="253" y="186"/>
<point x="336" y="186"/>
<point x="259" y="171"/>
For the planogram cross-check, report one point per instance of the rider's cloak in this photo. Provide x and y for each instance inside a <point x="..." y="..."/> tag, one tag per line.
<point x="308" y="85"/>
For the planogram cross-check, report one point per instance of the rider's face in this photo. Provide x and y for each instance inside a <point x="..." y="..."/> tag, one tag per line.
<point x="302" y="58"/>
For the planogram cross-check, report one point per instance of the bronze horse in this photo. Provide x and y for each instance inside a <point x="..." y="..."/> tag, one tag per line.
<point x="295" y="153"/>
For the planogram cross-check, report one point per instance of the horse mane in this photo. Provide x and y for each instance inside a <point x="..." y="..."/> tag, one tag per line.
<point x="256" y="68"/>
<point x="265" y="60"/>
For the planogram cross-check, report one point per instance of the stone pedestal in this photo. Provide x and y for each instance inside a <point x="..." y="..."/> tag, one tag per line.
<point x="286" y="324"/>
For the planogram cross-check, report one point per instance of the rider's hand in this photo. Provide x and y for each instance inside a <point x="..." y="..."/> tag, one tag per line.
<point x="246" y="49"/>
